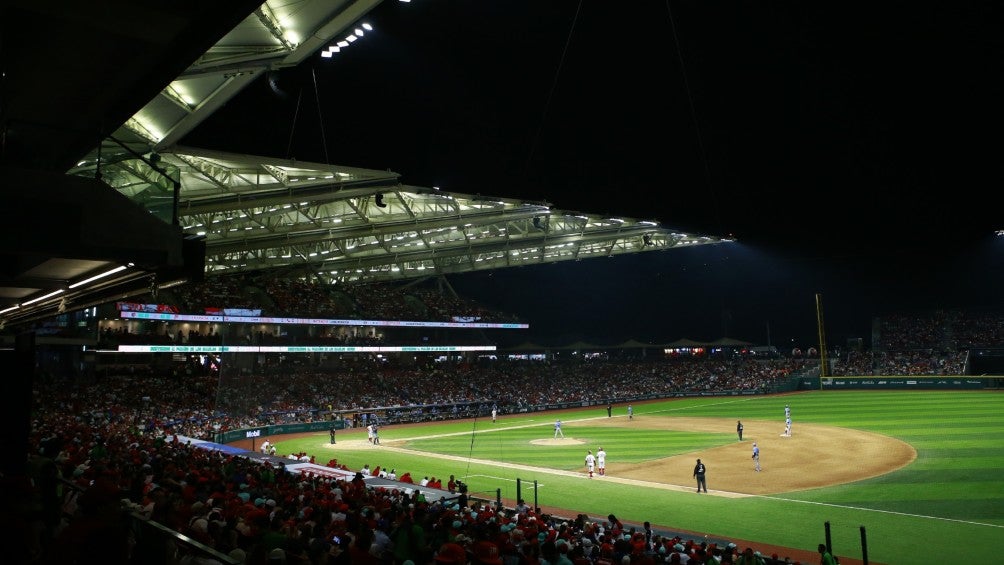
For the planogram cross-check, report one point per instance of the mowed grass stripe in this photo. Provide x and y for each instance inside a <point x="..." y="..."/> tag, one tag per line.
<point x="978" y="460"/>
<point x="955" y="446"/>
<point x="941" y="430"/>
<point x="878" y="490"/>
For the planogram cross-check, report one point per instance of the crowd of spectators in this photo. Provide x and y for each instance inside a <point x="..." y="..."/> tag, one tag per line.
<point x="216" y="292"/>
<point x="940" y="330"/>
<point x="891" y="363"/>
<point x="281" y="296"/>
<point x="977" y="329"/>
<point x="897" y="332"/>
<point x="935" y="343"/>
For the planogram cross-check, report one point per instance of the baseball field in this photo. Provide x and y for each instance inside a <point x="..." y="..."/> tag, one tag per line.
<point x="921" y="471"/>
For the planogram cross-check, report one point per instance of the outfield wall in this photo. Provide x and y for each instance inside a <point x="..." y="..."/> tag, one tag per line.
<point x="907" y="382"/>
<point x="265" y="431"/>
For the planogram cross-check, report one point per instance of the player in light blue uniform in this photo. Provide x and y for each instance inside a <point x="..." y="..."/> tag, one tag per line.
<point x="557" y="429"/>
<point x="756" y="457"/>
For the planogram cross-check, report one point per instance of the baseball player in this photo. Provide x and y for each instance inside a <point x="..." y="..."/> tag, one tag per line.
<point x="787" y="427"/>
<point x="495" y="414"/>
<point x="590" y="462"/>
<point x="699" y="471"/>
<point x="739" y="429"/>
<point x="630" y="412"/>
<point x="557" y="430"/>
<point x="601" y="461"/>
<point x="787" y="411"/>
<point x="756" y="457"/>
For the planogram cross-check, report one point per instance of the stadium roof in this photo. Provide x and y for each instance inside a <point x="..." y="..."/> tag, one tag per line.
<point x="348" y="224"/>
<point x="255" y="213"/>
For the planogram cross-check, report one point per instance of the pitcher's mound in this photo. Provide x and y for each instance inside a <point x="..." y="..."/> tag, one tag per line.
<point x="557" y="441"/>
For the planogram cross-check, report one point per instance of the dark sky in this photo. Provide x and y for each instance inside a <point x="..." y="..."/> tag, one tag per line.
<point x="854" y="151"/>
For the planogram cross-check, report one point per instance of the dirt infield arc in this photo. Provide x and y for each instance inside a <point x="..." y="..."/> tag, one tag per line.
<point x="814" y="456"/>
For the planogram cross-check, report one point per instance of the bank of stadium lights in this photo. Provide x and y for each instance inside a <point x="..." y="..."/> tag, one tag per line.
<point x="349" y="40"/>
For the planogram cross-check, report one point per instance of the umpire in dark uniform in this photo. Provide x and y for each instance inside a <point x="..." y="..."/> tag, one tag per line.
<point x="332" y="434"/>
<point x="699" y="471"/>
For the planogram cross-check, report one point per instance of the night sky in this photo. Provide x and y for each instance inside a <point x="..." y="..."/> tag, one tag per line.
<point x="854" y="152"/>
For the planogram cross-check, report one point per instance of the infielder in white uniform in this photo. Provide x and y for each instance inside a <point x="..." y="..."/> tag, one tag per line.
<point x="756" y="457"/>
<point x="601" y="461"/>
<point x="590" y="462"/>
<point x="557" y="429"/>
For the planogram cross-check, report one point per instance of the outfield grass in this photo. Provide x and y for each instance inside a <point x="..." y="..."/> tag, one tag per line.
<point x="950" y="500"/>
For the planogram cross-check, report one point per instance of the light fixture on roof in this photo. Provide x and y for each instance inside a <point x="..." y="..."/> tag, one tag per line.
<point x="355" y="34"/>
<point x="41" y="298"/>
<point x="100" y="276"/>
